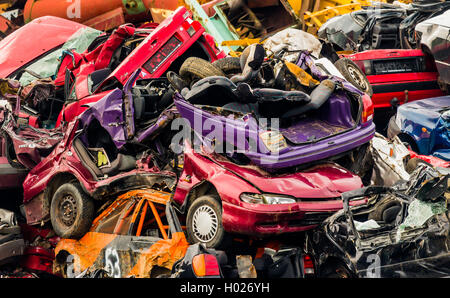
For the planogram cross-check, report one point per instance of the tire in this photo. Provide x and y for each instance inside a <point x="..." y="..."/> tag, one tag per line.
<point x="80" y="209"/>
<point x="229" y="65"/>
<point x="354" y="75"/>
<point x="208" y="210"/>
<point x="194" y="68"/>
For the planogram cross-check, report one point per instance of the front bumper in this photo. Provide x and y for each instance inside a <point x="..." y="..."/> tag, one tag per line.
<point x="261" y="220"/>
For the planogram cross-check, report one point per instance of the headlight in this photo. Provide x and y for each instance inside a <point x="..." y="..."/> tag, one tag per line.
<point x="268" y="199"/>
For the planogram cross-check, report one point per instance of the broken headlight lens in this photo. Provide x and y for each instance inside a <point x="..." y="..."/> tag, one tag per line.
<point x="268" y="199"/>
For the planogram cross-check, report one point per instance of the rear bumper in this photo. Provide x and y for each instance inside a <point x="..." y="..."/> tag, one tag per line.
<point x="383" y="93"/>
<point x="302" y="154"/>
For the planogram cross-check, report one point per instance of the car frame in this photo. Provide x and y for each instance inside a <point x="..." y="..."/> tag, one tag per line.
<point x="387" y="248"/>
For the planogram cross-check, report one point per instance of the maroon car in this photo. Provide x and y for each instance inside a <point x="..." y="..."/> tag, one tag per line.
<point x="107" y="63"/>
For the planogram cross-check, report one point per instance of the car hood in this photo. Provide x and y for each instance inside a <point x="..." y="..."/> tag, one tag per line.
<point x="20" y="47"/>
<point x="327" y="180"/>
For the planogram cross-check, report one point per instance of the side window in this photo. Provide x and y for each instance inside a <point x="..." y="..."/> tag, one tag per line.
<point x="112" y="216"/>
<point x="151" y="221"/>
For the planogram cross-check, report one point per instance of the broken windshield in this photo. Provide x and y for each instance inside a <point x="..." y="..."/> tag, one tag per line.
<point x="47" y="65"/>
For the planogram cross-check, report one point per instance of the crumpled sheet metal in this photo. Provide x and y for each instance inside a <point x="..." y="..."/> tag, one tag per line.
<point x="108" y="111"/>
<point x="293" y="40"/>
<point x="388" y="157"/>
<point x="119" y="256"/>
<point x="163" y="253"/>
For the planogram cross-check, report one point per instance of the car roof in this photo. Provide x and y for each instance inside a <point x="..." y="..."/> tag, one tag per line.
<point x="32" y="40"/>
<point x="433" y="104"/>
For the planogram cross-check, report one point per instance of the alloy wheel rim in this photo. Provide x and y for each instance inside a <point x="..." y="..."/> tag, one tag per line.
<point x="205" y="223"/>
<point x="357" y="77"/>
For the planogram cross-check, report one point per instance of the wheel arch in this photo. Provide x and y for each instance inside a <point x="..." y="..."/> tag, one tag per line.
<point x="406" y="137"/>
<point x="202" y="188"/>
<point x="55" y="182"/>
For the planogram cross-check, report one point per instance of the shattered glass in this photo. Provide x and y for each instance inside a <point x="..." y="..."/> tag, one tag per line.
<point x="367" y="225"/>
<point x="47" y="66"/>
<point x="419" y="212"/>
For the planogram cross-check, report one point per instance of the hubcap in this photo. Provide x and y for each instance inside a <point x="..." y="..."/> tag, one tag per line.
<point x="356" y="75"/>
<point x="205" y="223"/>
<point x="68" y="210"/>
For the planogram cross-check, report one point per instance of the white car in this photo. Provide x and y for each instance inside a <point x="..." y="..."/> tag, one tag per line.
<point x="435" y="39"/>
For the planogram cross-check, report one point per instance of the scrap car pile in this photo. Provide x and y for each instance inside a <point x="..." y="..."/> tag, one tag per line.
<point x="176" y="148"/>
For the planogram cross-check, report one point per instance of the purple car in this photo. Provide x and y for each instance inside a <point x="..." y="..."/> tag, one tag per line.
<point x="277" y="129"/>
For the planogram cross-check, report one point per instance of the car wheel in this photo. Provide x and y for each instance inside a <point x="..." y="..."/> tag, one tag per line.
<point x="354" y="75"/>
<point x="229" y="65"/>
<point x="194" y="69"/>
<point x="204" y="222"/>
<point x="71" y="211"/>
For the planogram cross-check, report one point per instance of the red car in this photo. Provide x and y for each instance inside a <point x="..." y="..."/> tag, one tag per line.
<point x="156" y="51"/>
<point x="407" y="75"/>
<point x="106" y="64"/>
<point x="397" y="77"/>
<point x="220" y="197"/>
<point x="18" y="51"/>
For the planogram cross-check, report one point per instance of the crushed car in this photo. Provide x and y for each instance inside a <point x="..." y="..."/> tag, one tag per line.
<point x="387" y="26"/>
<point x="323" y="117"/>
<point x="397" y="76"/>
<point x="423" y="126"/>
<point x="118" y="144"/>
<point x="109" y="63"/>
<point x="138" y="235"/>
<point x="402" y="231"/>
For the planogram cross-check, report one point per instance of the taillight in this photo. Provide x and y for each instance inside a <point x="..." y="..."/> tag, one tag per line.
<point x="308" y="264"/>
<point x="367" y="113"/>
<point x="205" y="266"/>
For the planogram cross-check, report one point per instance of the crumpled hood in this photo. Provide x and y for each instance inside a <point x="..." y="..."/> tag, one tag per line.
<point x="321" y="181"/>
